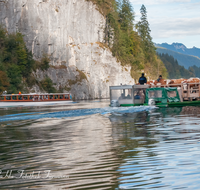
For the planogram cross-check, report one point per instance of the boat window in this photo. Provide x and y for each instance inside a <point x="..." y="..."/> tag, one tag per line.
<point x="55" y="96"/>
<point x="19" y="97"/>
<point x="61" y="97"/>
<point x="155" y="94"/>
<point x="121" y="94"/>
<point x="41" y="97"/>
<point x="139" y="93"/>
<point x="30" y="97"/>
<point x="1" y="97"/>
<point x="8" y="97"/>
<point x="14" y="97"/>
<point x="125" y="94"/>
<point x="36" y="98"/>
<point x="66" y="96"/>
<point x="51" y="97"/>
<point x="25" y="97"/>
<point x="46" y="97"/>
<point x="171" y="94"/>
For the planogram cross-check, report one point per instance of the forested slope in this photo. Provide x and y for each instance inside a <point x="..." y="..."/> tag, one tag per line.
<point x="130" y="43"/>
<point x="174" y="69"/>
<point x="184" y="60"/>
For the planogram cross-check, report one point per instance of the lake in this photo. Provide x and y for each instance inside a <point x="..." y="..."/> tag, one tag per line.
<point x="89" y="145"/>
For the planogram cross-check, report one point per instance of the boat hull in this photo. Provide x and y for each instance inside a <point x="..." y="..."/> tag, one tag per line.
<point x="169" y="104"/>
<point x="31" y="103"/>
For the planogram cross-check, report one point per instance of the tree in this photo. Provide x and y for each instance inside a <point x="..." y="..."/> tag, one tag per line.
<point x="17" y="63"/>
<point x="144" y="32"/>
<point x="4" y="82"/>
<point x="47" y="85"/>
<point x="130" y="47"/>
<point x="126" y="16"/>
<point x="14" y="74"/>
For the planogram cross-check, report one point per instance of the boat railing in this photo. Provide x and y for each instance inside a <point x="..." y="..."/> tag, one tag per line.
<point x="188" y="90"/>
<point x="35" y="97"/>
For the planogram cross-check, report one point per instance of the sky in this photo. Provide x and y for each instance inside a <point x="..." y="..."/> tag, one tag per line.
<point x="172" y="21"/>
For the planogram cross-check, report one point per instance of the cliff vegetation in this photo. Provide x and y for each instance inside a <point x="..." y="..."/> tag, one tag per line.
<point x="17" y="65"/>
<point x="130" y="43"/>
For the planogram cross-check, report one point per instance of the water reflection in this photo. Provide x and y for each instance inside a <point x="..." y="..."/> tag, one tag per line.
<point x="160" y="149"/>
<point x="157" y="148"/>
<point x="78" y="148"/>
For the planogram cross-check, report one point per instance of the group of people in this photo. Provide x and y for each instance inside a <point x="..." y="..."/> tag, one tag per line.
<point x="143" y="79"/>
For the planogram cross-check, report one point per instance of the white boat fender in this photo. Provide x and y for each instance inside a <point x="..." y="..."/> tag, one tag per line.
<point x="114" y="103"/>
<point x="151" y="102"/>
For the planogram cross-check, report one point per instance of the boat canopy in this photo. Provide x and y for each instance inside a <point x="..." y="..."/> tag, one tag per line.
<point x="128" y="94"/>
<point x="162" y="95"/>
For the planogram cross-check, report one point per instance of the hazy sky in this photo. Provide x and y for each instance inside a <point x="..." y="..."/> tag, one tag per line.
<point x="172" y="20"/>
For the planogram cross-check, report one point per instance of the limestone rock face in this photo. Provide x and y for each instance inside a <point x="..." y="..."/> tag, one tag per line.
<point x="70" y="32"/>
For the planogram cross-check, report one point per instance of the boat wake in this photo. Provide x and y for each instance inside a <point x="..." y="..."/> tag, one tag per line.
<point x="75" y="113"/>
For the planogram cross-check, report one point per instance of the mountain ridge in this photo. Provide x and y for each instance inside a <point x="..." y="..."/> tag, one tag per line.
<point x="183" y="59"/>
<point x="181" y="48"/>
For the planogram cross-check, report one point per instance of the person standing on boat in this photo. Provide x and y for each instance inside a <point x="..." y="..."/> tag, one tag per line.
<point x="142" y="79"/>
<point x="160" y="78"/>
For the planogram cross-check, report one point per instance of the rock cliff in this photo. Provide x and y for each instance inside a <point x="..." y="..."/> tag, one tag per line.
<point x="71" y="32"/>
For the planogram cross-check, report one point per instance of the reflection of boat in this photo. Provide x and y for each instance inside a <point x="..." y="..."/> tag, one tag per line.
<point x="191" y="110"/>
<point x="135" y="95"/>
<point x="31" y="99"/>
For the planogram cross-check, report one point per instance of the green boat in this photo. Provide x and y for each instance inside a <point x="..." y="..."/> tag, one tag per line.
<point x="136" y="95"/>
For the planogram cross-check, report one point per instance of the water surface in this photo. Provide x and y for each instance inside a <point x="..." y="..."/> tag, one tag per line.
<point x="88" y="145"/>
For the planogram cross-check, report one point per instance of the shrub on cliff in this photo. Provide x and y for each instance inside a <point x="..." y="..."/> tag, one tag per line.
<point x="47" y="85"/>
<point x="15" y="60"/>
<point x="43" y="64"/>
<point x="17" y="64"/>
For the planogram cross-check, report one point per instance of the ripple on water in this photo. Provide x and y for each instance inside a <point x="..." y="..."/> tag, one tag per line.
<point x="165" y="165"/>
<point x="102" y="148"/>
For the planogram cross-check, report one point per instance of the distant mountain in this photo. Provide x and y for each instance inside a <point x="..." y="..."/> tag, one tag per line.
<point x="175" y="70"/>
<point x="181" y="48"/>
<point x="183" y="59"/>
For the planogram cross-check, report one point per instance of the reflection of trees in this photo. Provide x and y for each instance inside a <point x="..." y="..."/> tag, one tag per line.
<point x="130" y="132"/>
<point x="185" y="110"/>
<point x="131" y="136"/>
<point x="170" y="111"/>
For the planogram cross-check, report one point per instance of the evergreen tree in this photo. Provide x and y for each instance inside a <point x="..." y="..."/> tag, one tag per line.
<point x="126" y="16"/>
<point x="130" y="47"/>
<point x="144" y="32"/>
<point x="17" y="64"/>
<point x="122" y="23"/>
<point x="196" y="70"/>
<point x="4" y="82"/>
